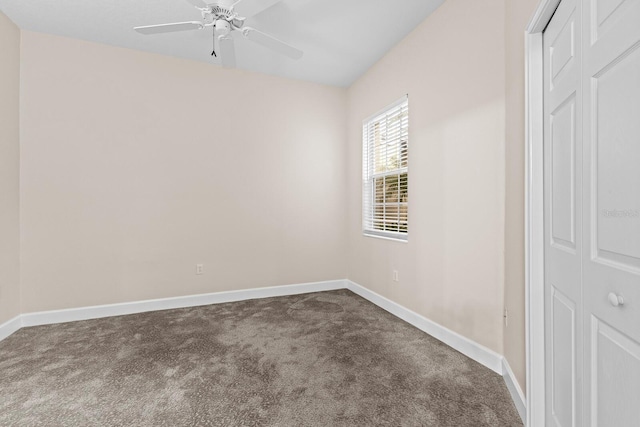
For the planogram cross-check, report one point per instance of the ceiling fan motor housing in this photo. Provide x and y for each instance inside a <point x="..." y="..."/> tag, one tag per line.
<point x="218" y="12"/>
<point x="222" y="12"/>
<point x="222" y="27"/>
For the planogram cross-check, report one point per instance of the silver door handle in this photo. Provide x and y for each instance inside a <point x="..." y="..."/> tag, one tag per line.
<point x="615" y="300"/>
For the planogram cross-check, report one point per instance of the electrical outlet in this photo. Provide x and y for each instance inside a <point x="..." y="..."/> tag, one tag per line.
<point x="396" y="277"/>
<point x="199" y="269"/>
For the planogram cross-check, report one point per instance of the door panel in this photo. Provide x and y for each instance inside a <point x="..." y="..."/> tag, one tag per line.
<point x="615" y="376"/>
<point x="563" y="144"/>
<point x="605" y="9"/>
<point x="608" y="15"/>
<point x="562" y="50"/>
<point x="563" y="357"/>
<point x="611" y="212"/>
<point x="563" y="241"/>
<point x="617" y="159"/>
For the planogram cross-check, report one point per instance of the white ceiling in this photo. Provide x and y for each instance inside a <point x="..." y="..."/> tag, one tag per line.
<point x="341" y="38"/>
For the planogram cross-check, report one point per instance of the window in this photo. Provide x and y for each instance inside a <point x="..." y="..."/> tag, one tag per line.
<point x="385" y="153"/>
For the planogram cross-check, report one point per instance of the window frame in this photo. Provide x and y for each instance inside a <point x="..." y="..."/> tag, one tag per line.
<point x="369" y="177"/>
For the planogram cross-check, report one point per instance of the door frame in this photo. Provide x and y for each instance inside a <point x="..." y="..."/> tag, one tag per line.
<point x="534" y="211"/>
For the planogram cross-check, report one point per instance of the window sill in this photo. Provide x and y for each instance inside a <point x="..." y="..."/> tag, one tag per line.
<point x="386" y="237"/>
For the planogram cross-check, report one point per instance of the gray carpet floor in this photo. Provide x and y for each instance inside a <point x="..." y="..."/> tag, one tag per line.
<point x="322" y="359"/>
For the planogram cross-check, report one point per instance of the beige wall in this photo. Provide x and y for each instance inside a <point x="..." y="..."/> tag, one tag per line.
<point x="9" y="169"/>
<point x="451" y="270"/>
<point x="136" y="166"/>
<point x="517" y="17"/>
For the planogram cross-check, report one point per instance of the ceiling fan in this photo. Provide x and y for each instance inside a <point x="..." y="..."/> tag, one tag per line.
<point x="222" y="16"/>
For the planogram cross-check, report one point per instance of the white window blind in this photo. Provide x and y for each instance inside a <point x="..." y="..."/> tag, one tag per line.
<point x="385" y="141"/>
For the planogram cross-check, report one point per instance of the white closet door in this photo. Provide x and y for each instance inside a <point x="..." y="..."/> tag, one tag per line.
<point x="611" y="212"/>
<point x="563" y="223"/>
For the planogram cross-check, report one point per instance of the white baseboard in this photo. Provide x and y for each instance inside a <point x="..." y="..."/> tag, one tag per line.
<point x="10" y="326"/>
<point x="514" y="388"/>
<point x="99" y="311"/>
<point x="469" y="348"/>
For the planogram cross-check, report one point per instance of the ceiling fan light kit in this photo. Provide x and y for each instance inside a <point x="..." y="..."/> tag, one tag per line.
<point x="225" y="20"/>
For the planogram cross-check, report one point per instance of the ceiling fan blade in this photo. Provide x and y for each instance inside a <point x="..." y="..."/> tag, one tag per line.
<point x="271" y="42"/>
<point x="248" y="8"/>
<point x="169" y="28"/>
<point x="199" y="3"/>
<point x="227" y="51"/>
